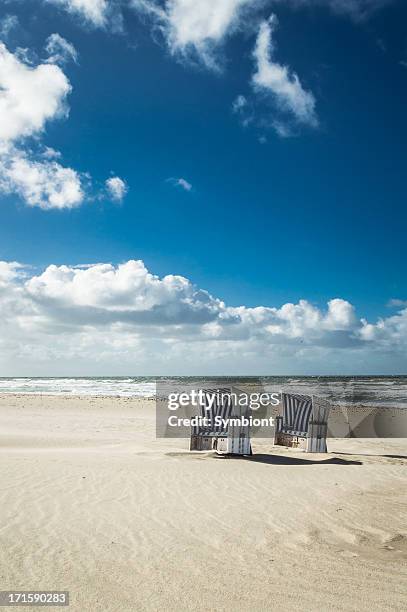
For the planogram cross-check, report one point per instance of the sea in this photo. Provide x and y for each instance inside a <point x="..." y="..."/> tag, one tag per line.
<point x="386" y="391"/>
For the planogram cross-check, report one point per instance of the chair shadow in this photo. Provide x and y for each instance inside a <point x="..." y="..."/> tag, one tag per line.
<point x="373" y="455"/>
<point x="285" y="460"/>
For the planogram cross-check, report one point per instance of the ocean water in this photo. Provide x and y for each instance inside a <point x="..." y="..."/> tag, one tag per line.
<point x="116" y="386"/>
<point x="387" y="391"/>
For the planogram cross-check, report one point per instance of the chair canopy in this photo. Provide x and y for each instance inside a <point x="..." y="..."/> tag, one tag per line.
<point x="297" y="410"/>
<point x="304" y="417"/>
<point x="320" y="409"/>
<point x="217" y="402"/>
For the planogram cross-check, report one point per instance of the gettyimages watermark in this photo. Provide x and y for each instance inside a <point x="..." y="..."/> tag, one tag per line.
<point x="215" y="405"/>
<point x="208" y="398"/>
<point x="183" y="407"/>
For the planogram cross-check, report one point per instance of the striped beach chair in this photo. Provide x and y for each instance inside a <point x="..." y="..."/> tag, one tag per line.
<point x="225" y="439"/>
<point x="303" y="423"/>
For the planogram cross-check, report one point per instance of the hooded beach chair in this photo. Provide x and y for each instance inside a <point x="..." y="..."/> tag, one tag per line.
<point x="225" y="439"/>
<point x="303" y="423"/>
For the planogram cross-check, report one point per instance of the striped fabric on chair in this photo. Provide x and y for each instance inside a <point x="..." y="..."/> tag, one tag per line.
<point x="321" y="410"/>
<point x="222" y="406"/>
<point x="296" y="413"/>
<point x="304" y="422"/>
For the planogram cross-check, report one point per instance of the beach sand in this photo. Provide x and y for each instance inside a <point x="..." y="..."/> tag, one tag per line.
<point x="92" y="503"/>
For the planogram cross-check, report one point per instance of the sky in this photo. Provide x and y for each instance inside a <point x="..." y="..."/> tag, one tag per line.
<point x="203" y="187"/>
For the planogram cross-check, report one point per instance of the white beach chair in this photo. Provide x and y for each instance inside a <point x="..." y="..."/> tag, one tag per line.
<point x="232" y="439"/>
<point x="304" y="422"/>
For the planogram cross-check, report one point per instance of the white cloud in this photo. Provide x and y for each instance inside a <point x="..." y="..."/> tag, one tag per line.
<point x="50" y="153"/>
<point x="340" y="315"/>
<point x="277" y="80"/>
<point x="116" y="188"/>
<point x="396" y="303"/>
<point x="124" y="315"/>
<point x="282" y="128"/>
<point x="30" y="96"/>
<point x="9" y="271"/>
<point x="46" y="184"/>
<point x="7" y="24"/>
<point x="197" y="27"/>
<point x="388" y="333"/>
<point x="239" y="104"/>
<point x="355" y="8"/>
<point x="127" y="287"/>
<point x="92" y="11"/>
<point x="59" y="50"/>
<point x="243" y="109"/>
<point x="180" y="182"/>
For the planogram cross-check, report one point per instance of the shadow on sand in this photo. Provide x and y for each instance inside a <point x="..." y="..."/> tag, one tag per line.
<point x="284" y="460"/>
<point x="374" y="455"/>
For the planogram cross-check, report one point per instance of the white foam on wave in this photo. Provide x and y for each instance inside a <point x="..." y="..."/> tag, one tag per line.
<point x="367" y="391"/>
<point x="119" y="387"/>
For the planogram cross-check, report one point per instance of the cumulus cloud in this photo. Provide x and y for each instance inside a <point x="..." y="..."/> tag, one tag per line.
<point x="59" y="50"/>
<point x="124" y="315"/>
<point x="9" y="271"/>
<point x="387" y="333"/>
<point x="46" y="184"/>
<point x="116" y="188"/>
<point x="30" y="97"/>
<point x="196" y="28"/>
<point x="277" y="80"/>
<point x="92" y="11"/>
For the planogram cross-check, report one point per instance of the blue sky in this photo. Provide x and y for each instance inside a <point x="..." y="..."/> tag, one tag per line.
<point x="298" y="194"/>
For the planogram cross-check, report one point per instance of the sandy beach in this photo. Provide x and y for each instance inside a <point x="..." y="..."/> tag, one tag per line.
<point x="92" y="503"/>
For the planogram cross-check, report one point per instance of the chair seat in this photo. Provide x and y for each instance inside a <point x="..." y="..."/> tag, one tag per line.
<point x="212" y="434"/>
<point x="294" y="432"/>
